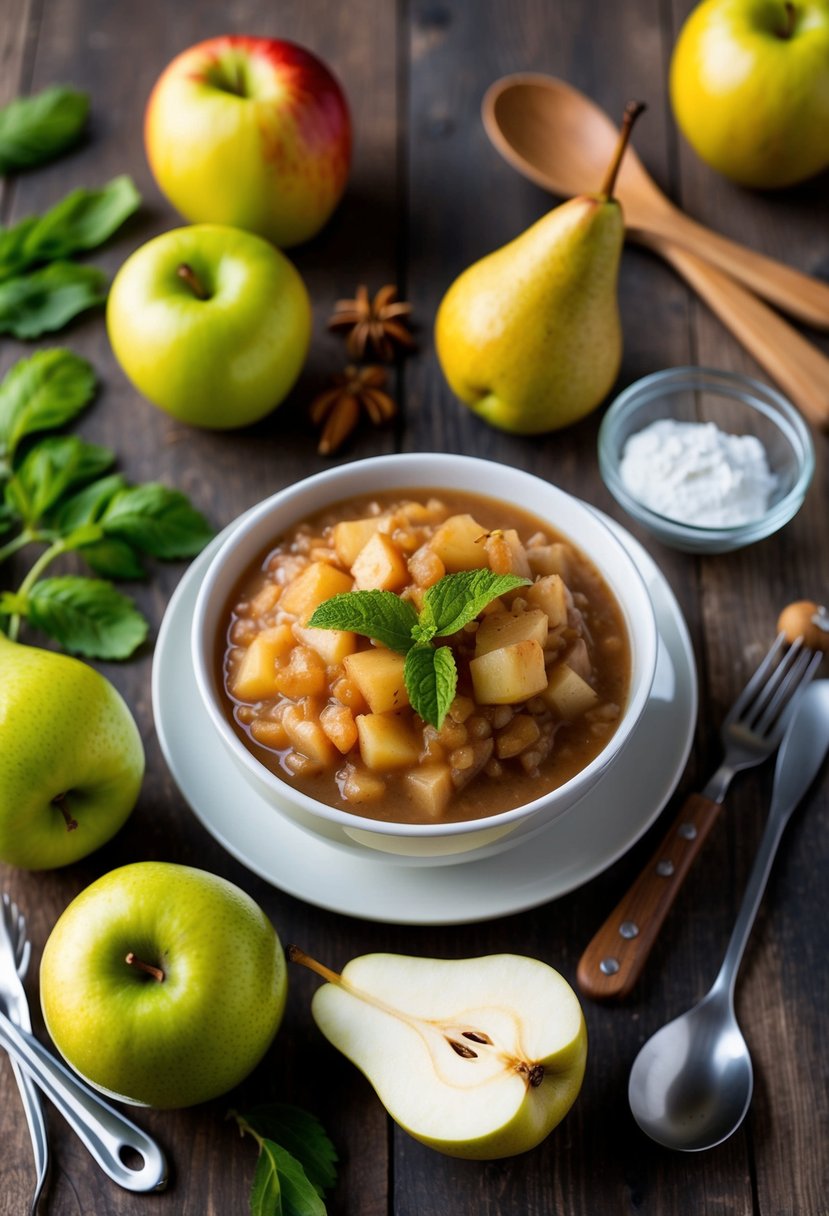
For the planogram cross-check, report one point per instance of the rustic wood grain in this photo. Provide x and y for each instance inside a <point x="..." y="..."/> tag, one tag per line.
<point x="428" y="196"/>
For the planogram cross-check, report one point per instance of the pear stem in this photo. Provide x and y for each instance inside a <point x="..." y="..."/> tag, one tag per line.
<point x="632" y="111"/>
<point x="148" y="968"/>
<point x="59" y="801"/>
<point x="295" y="955"/>
<point x="790" y="18"/>
<point x="188" y="275"/>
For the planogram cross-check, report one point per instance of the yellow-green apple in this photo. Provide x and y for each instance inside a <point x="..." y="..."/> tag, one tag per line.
<point x="253" y="132"/>
<point x="212" y="324"/>
<point x="71" y="758"/>
<point x="750" y="88"/>
<point x="476" y="1057"/>
<point x="163" y="985"/>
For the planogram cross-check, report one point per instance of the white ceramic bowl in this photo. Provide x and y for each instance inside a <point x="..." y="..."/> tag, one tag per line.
<point x="438" y="843"/>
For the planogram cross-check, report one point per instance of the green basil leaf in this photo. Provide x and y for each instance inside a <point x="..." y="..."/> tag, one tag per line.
<point x="266" y="1193"/>
<point x="81" y="221"/>
<point x="52" y="468"/>
<point x="47" y="299"/>
<point x="302" y="1135"/>
<point x="381" y="615"/>
<point x="297" y="1197"/>
<point x="42" y="392"/>
<point x="113" y="558"/>
<point x="87" y="616"/>
<point x="458" y="598"/>
<point x="156" y="520"/>
<point x="431" y="679"/>
<point x="88" y="505"/>
<point x="8" y="517"/>
<point x="36" y="129"/>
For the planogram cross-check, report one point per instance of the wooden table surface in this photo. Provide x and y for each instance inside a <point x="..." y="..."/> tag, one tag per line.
<point x="427" y="196"/>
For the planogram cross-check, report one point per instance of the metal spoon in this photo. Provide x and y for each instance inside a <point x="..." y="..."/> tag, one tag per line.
<point x="691" y="1084"/>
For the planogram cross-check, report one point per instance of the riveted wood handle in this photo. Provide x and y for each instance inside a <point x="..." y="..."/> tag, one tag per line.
<point x="798" y="367"/>
<point x="614" y="960"/>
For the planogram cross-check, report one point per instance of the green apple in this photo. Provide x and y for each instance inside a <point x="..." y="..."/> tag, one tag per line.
<point x="211" y="324"/>
<point x="253" y="132"/>
<point x="163" y="985"/>
<point x="477" y="1057"/>
<point x="750" y="88"/>
<point x="71" y="758"/>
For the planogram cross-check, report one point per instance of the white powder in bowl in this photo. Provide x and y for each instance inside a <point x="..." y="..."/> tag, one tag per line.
<point x="697" y="474"/>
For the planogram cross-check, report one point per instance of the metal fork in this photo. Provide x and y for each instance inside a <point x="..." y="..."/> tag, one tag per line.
<point x="15" y="951"/>
<point x="751" y="732"/>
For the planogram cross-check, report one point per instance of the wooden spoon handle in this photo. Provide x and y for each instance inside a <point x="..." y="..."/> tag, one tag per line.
<point x="796" y="293"/>
<point x="798" y="367"/>
<point x="613" y="961"/>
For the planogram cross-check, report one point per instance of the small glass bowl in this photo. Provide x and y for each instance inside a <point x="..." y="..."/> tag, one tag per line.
<point x="738" y="405"/>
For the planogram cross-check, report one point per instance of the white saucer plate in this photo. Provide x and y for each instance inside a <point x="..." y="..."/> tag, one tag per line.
<point x="550" y="863"/>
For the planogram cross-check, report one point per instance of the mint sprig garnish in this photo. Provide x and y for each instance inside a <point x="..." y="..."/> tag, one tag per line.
<point x="56" y="491"/>
<point x="429" y="673"/>
<point x="296" y="1164"/>
<point x="36" y="129"/>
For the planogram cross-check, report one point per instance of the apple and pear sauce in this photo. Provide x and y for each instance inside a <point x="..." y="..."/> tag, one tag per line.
<point x="543" y="671"/>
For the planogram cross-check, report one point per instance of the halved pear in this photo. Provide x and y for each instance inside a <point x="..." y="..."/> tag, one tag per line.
<point x="477" y="1057"/>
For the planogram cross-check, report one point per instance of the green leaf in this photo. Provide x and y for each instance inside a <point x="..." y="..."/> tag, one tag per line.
<point x="113" y="558"/>
<point x="47" y="299"/>
<point x="88" y="505"/>
<point x="87" y="616"/>
<point x="282" y="1176"/>
<point x="381" y="615"/>
<point x="42" y="392"/>
<point x="52" y="468"/>
<point x="36" y="129"/>
<point x="458" y="598"/>
<point x="302" y="1135"/>
<point x="431" y="680"/>
<point x="156" y="520"/>
<point x="81" y="221"/>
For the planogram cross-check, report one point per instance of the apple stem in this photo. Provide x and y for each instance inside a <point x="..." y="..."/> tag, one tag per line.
<point x="632" y="111"/>
<point x="188" y="275"/>
<point x="791" y="16"/>
<point x="59" y="801"/>
<point x="295" y="955"/>
<point x="148" y="968"/>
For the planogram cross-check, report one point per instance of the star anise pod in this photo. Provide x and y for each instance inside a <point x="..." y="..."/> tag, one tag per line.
<point x="337" y="409"/>
<point x="377" y="325"/>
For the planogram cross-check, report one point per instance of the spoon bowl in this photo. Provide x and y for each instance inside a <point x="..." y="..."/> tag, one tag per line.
<point x="691" y="1084"/>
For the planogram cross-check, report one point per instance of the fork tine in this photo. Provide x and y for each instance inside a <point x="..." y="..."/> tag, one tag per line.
<point x="798" y="677"/>
<point x="757" y="681"/>
<point x="787" y="663"/>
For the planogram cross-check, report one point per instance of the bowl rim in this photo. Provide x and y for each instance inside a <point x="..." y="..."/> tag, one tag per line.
<point x="755" y="394"/>
<point x="202" y="647"/>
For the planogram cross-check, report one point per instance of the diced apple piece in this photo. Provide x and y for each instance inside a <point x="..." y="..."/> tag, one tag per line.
<point x="256" y="678"/>
<point x="430" y="788"/>
<point x="380" y="565"/>
<point x="578" y="659"/>
<point x="270" y="732"/>
<point x="347" y="693"/>
<point x="506" y="628"/>
<point x="550" y="559"/>
<point x="550" y="595"/>
<point x="316" y="584"/>
<point x="265" y="599"/>
<point x="509" y="674"/>
<point x="378" y="675"/>
<point x="332" y="645"/>
<point x="303" y="675"/>
<point x="506" y="553"/>
<point x="459" y="543"/>
<point x="425" y="566"/>
<point x="350" y="535"/>
<point x="386" y="742"/>
<point x="567" y="693"/>
<point x="338" y="723"/>
<point x="359" y="785"/>
<point x="307" y="736"/>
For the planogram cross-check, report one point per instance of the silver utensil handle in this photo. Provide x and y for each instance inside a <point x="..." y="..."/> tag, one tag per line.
<point x="36" y="1122"/>
<point x="104" y="1130"/>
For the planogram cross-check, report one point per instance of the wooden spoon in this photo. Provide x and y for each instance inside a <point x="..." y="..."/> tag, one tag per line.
<point x="550" y="149"/>
<point x="562" y="140"/>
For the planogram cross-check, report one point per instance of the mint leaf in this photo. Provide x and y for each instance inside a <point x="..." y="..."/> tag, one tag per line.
<point x="112" y="558"/>
<point x="52" y="468"/>
<point x="156" y="520"/>
<point x="280" y="1179"/>
<point x="87" y="505"/>
<point x="381" y="615"/>
<point x="266" y="1192"/>
<point x="81" y="221"/>
<point x="47" y="299"/>
<point x="302" y="1135"/>
<point x="458" y="598"/>
<point x="87" y="616"/>
<point x="36" y="129"/>
<point x="431" y="680"/>
<point x="42" y="392"/>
